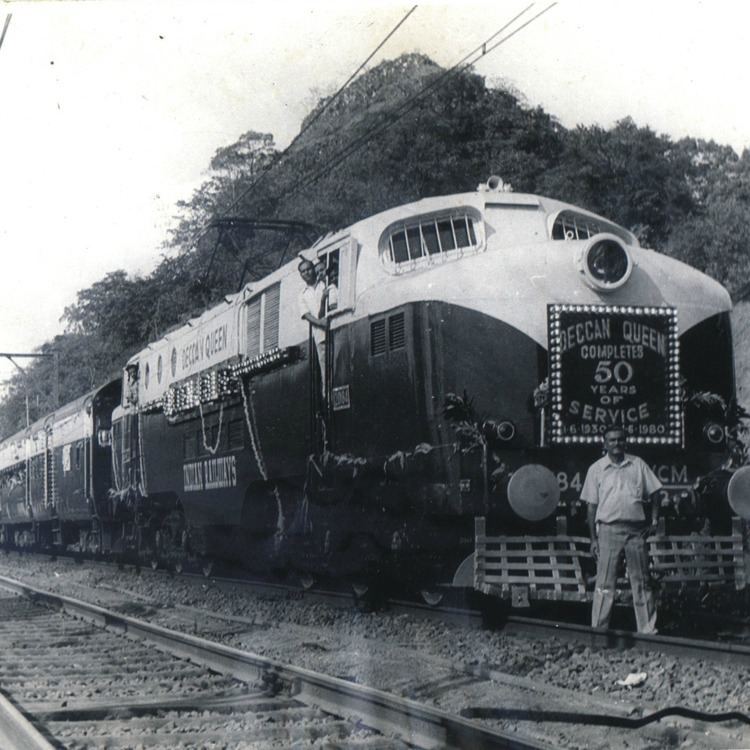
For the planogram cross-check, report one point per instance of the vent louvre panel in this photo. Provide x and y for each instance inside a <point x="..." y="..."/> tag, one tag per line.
<point x="253" y="328"/>
<point x="396" y="332"/>
<point x="271" y="318"/>
<point x="377" y="337"/>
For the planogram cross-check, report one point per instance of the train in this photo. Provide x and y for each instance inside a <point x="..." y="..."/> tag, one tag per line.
<point x="477" y="346"/>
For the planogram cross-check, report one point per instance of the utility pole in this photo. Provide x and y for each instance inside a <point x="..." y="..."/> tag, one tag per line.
<point x="56" y="376"/>
<point x="5" y="28"/>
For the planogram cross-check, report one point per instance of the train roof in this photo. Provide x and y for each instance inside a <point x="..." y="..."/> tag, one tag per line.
<point x="63" y="414"/>
<point x="481" y="198"/>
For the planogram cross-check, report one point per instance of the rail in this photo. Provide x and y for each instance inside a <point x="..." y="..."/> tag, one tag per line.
<point x="422" y="726"/>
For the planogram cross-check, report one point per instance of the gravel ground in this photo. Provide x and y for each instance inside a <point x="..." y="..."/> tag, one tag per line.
<point x="434" y="662"/>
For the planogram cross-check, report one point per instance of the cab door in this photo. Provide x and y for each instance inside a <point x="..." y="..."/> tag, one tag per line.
<point x="339" y="258"/>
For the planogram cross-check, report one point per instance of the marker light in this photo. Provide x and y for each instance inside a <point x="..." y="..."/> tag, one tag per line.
<point x="714" y="433"/>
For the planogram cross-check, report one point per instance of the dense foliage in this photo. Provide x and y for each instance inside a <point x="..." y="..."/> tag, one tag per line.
<point x="402" y="131"/>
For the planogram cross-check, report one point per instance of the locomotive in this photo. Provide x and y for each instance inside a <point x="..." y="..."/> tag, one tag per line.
<point x="477" y="346"/>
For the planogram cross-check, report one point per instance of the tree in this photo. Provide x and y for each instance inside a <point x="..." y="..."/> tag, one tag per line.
<point x="716" y="237"/>
<point x="628" y="174"/>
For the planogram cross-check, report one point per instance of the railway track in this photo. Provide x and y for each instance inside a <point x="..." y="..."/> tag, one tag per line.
<point x="532" y="627"/>
<point x="715" y="651"/>
<point x="542" y="628"/>
<point x="75" y="675"/>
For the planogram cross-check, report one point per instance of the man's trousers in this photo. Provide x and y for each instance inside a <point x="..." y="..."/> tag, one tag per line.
<point x="613" y="538"/>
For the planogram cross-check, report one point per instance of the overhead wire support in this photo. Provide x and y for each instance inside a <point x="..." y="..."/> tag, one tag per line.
<point x="309" y="124"/>
<point x="395" y="115"/>
<point x="5" y="28"/>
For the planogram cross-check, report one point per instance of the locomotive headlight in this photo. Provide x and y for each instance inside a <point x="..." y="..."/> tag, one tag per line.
<point x="714" y="433"/>
<point x="605" y="262"/>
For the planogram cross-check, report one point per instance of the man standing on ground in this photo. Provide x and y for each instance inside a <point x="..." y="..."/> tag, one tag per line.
<point x="618" y="487"/>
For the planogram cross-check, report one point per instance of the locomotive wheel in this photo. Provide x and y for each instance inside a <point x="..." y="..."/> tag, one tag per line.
<point x="170" y="541"/>
<point x="307" y="581"/>
<point x="360" y="589"/>
<point x="431" y="598"/>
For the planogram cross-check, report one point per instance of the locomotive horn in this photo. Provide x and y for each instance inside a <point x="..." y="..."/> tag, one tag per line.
<point x="738" y="492"/>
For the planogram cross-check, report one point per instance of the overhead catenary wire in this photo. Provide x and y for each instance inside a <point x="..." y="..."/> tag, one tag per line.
<point x="254" y="184"/>
<point x="405" y="107"/>
<point x="394" y="115"/>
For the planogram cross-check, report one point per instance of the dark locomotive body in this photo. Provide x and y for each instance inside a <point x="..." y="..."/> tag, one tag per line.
<point x="446" y="401"/>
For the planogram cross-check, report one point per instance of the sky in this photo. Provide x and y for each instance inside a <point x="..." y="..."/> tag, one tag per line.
<point x="111" y="111"/>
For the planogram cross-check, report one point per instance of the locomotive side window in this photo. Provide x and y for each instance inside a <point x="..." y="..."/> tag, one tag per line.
<point x="189" y="444"/>
<point x="236" y="435"/>
<point x="428" y="239"/>
<point x="262" y="321"/>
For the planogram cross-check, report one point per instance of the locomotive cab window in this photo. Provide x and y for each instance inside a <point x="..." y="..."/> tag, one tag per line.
<point x="336" y="266"/>
<point x="327" y="269"/>
<point x="571" y="225"/>
<point x="130" y="391"/>
<point x="431" y="239"/>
